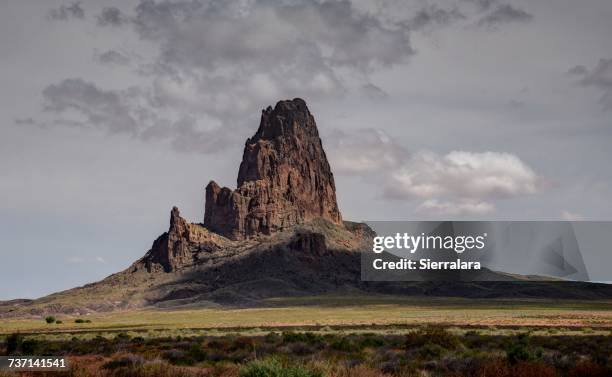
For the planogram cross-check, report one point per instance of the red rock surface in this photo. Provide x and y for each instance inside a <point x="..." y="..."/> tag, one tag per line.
<point x="179" y="246"/>
<point x="284" y="178"/>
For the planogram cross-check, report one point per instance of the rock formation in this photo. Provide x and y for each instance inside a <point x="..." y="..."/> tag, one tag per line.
<point x="284" y="178"/>
<point x="179" y="246"/>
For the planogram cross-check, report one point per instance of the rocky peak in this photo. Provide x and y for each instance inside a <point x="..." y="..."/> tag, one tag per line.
<point x="281" y="119"/>
<point x="284" y="178"/>
<point x="289" y="129"/>
<point x="178" y="225"/>
<point x="171" y="249"/>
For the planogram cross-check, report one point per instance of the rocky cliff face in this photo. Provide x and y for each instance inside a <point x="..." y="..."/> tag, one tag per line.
<point x="180" y="246"/>
<point x="171" y="248"/>
<point x="284" y="178"/>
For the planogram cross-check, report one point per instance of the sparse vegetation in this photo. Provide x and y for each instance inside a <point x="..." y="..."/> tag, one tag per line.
<point x="337" y="352"/>
<point x="432" y="335"/>
<point x="367" y="337"/>
<point x="329" y="311"/>
<point x="273" y="368"/>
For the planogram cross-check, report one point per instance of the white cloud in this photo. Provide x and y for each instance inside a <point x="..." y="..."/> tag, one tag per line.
<point x="456" y="183"/>
<point x="485" y="175"/>
<point x="463" y="207"/>
<point x="363" y="151"/>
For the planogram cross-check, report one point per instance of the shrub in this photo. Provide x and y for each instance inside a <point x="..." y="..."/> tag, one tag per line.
<point x="138" y="340"/>
<point x="243" y="343"/>
<point x="431" y="351"/>
<point x="519" y="350"/>
<point x="50" y="319"/>
<point x="125" y="361"/>
<point x="152" y="369"/>
<point x="363" y="371"/>
<point x="272" y="337"/>
<point x="13" y="343"/>
<point x="175" y="356"/>
<point x="344" y="344"/>
<point x="196" y="353"/>
<point x="372" y="342"/>
<point x="79" y="320"/>
<point x="29" y="347"/>
<point x="301" y="349"/>
<point x="273" y="368"/>
<point x="307" y="337"/>
<point x="122" y="336"/>
<point x="58" y="322"/>
<point x="432" y="335"/>
<point x="494" y="368"/>
<point x="587" y="368"/>
<point x="391" y="366"/>
<point x="531" y="369"/>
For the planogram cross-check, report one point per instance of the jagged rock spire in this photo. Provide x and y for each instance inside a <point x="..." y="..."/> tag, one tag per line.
<point x="284" y="178"/>
<point x="171" y="249"/>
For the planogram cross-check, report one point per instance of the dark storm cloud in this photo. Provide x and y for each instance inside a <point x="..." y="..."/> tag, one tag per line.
<point x="111" y="16"/>
<point x="577" y="70"/>
<point x="261" y="33"/>
<point x="101" y="109"/>
<point x="483" y="4"/>
<point x="374" y="92"/>
<point x="111" y="57"/>
<point x="219" y="61"/>
<point x="224" y="59"/>
<point x="79" y="103"/>
<point x="25" y="122"/>
<point x="65" y="12"/>
<point x="504" y="14"/>
<point x="434" y="16"/>
<point x="599" y="77"/>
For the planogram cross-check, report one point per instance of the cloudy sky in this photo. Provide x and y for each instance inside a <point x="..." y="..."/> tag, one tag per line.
<point x="114" y="111"/>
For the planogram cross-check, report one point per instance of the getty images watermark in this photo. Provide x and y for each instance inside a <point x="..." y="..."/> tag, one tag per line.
<point x="485" y="250"/>
<point x="423" y="243"/>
